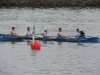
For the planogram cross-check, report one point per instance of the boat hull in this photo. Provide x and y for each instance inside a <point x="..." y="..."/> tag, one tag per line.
<point x="5" y="38"/>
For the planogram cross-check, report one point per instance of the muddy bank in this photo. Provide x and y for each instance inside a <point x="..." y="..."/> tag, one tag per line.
<point x="49" y="3"/>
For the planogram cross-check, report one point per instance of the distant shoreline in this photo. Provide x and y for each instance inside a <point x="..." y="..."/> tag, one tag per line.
<point x="51" y="3"/>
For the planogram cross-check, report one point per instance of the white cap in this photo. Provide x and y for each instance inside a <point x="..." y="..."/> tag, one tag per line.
<point x="45" y="29"/>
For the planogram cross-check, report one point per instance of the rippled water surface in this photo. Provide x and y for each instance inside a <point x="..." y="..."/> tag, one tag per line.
<point x="16" y="58"/>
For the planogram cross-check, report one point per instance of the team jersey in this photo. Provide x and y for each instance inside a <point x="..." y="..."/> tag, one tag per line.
<point x="29" y="34"/>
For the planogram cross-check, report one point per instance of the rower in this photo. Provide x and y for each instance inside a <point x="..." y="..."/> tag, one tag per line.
<point x="60" y="35"/>
<point x="81" y="35"/>
<point x="45" y="34"/>
<point x="13" y="32"/>
<point x="28" y="33"/>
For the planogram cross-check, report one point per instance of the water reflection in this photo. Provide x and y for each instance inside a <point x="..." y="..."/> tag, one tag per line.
<point x="44" y="42"/>
<point x="33" y="52"/>
<point x="28" y="42"/>
<point x="13" y="42"/>
<point x="59" y="43"/>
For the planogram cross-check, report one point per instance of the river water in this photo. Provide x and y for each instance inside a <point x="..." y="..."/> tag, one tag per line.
<point x="16" y="58"/>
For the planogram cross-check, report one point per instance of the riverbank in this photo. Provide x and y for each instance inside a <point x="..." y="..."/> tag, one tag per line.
<point x="51" y="3"/>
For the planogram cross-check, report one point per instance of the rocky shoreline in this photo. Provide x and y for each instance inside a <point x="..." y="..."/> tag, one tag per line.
<point x="49" y="3"/>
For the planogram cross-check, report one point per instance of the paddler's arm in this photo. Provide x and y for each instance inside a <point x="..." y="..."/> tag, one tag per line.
<point x="61" y="35"/>
<point x="17" y="35"/>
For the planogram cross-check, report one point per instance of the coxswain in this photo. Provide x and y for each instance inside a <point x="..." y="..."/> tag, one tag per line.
<point x="81" y="34"/>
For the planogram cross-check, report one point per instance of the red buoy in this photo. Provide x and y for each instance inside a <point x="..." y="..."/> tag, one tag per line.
<point x="36" y="45"/>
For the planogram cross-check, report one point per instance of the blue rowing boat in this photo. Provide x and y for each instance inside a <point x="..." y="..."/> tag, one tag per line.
<point x="7" y="37"/>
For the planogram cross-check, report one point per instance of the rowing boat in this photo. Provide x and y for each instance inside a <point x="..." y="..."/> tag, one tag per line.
<point x="7" y="37"/>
